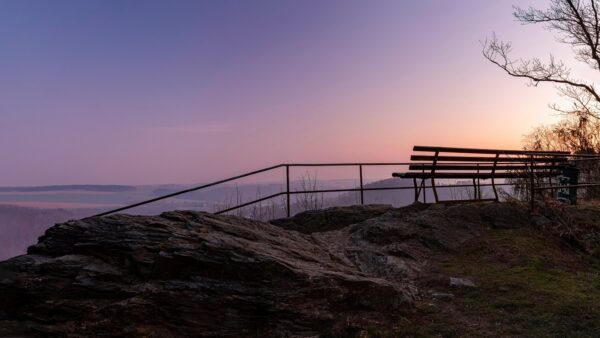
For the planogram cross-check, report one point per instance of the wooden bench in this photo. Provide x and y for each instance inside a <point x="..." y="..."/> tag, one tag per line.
<point x="435" y="163"/>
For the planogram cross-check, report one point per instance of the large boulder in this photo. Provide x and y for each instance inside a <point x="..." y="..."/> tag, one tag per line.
<point x="189" y="273"/>
<point x="186" y="274"/>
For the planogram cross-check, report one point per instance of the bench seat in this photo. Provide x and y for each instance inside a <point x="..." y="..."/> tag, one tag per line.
<point x="481" y="176"/>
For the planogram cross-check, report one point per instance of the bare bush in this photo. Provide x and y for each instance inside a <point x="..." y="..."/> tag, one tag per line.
<point x="309" y="201"/>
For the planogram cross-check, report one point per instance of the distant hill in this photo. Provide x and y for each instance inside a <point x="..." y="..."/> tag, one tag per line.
<point x="48" y="188"/>
<point x="25" y="212"/>
<point x="406" y="196"/>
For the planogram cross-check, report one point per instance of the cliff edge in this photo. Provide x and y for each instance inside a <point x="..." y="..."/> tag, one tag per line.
<point x="375" y="269"/>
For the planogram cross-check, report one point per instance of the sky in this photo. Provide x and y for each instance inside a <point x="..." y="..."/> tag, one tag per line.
<point x="151" y="92"/>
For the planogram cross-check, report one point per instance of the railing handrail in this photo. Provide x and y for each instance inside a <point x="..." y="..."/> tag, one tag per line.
<point x="185" y="191"/>
<point x="259" y="171"/>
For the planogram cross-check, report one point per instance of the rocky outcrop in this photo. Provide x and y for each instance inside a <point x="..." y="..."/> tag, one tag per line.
<point x="335" y="218"/>
<point x="196" y="274"/>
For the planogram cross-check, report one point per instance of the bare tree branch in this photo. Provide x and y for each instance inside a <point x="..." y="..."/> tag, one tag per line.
<point x="577" y="23"/>
<point x="535" y="70"/>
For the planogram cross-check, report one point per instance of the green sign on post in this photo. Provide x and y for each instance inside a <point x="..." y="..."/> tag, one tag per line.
<point x="569" y="177"/>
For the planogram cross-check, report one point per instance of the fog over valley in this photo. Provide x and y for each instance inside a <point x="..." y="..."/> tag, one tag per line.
<point x="26" y="212"/>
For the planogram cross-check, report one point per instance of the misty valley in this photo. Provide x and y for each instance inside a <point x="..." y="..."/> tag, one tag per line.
<point x="26" y="212"/>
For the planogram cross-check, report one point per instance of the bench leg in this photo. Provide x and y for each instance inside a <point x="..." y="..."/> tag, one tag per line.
<point x="417" y="191"/>
<point x="493" y="181"/>
<point x="435" y="194"/>
<point x="495" y="191"/>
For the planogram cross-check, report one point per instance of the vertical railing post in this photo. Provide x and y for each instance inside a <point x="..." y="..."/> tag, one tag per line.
<point x="478" y="192"/>
<point x="424" y="185"/>
<point x="434" y="163"/>
<point x="493" y="176"/>
<point x="531" y="184"/>
<point x="550" y="172"/>
<point x="362" y="197"/>
<point x="287" y="191"/>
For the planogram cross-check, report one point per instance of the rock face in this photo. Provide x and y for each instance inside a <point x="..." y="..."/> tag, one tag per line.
<point x="332" y="218"/>
<point x="196" y="274"/>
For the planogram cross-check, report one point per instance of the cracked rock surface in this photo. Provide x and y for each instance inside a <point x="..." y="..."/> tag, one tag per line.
<point x="187" y="273"/>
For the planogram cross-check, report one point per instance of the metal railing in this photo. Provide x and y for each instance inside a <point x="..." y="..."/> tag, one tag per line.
<point x="573" y="158"/>
<point x="288" y="192"/>
<point x="361" y="189"/>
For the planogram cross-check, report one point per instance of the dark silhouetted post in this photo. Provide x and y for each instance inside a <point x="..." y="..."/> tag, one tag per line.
<point x="287" y="192"/>
<point x="433" y="164"/>
<point x="531" y="184"/>
<point x="478" y="184"/>
<point x="424" y="185"/>
<point x="416" y="191"/>
<point x="362" y="197"/>
<point x="493" y="174"/>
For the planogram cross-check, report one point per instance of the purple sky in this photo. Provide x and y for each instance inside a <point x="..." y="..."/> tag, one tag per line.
<point x="140" y="92"/>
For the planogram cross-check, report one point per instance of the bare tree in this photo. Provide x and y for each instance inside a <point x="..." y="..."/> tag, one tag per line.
<point x="577" y="24"/>
<point x="234" y="199"/>
<point x="575" y="133"/>
<point x="310" y="201"/>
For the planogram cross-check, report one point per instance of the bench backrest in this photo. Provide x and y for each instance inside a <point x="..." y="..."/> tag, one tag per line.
<point x="457" y="163"/>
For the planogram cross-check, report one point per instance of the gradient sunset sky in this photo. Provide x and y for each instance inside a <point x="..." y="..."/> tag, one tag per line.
<point x="140" y="92"/>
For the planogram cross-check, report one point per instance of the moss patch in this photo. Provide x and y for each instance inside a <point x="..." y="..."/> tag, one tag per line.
<point x="528" y="284"/>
